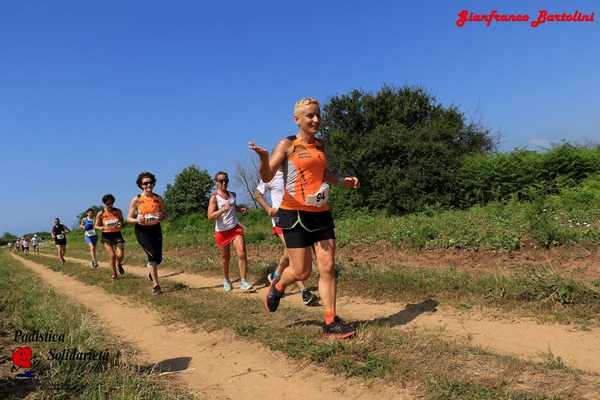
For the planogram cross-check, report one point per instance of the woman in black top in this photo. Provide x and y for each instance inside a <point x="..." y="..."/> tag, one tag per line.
<point x="59" y="234"/>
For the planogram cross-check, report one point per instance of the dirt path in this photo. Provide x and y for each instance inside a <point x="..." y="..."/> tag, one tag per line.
<point x="215" y="364"/>
<point x="522" y="338"/>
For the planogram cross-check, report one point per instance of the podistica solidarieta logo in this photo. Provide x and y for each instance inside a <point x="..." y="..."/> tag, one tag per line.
<point x="23" y="357"/>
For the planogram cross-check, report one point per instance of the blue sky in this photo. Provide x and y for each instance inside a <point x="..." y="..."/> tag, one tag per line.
<point x="91" y="94"/>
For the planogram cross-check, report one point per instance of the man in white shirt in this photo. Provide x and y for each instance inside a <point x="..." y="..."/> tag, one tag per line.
<point x="34" y="243"/>
<point x="276" y="189"/>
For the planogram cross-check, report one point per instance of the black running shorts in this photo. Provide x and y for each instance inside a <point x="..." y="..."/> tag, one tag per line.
<point x="150" y="238"/>
<point x="112" y="238"/>
<point x="305" y="228"/>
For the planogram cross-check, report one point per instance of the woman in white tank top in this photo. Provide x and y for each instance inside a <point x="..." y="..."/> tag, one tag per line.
<point x="222" y="209"/>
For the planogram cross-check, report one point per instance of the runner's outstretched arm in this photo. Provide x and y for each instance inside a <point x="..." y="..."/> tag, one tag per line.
<point x="269" y="166"/>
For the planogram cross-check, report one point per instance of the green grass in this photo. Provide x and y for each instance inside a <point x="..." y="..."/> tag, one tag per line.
<point x="539" y="291"/>
<point x="379" y="352"/>
<point x="562" y="219"/>
<point x="27" y="304"/>
<point x="535" y="291"/>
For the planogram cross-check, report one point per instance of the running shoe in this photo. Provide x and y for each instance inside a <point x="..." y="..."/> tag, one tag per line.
<point x="96" y="264"/>
<point x="92" y="264"/>
<point x="120" y="268"/>
<point x="62" y="261"/>
<point x="273" y="296"/>
<point x="245" y="285"/>
<point x="156" y="291"/>
<point x="338" y="329"/>
<point x="226" y="286"/>
<point x="309" y="298"/>
<point x="114" y="276"/>
<point x="272" y="276"/>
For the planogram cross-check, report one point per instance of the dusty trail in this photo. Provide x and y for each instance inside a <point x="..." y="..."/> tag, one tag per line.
<point x="522" y="338"/>
<point x="215" y="364"/>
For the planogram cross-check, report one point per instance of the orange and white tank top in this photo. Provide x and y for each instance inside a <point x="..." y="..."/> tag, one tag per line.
<point x="149" y="207"/>
<point x="110" y="220"/>
<point x="304" y="177"/>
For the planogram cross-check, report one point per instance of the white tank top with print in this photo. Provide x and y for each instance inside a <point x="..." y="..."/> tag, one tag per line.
<point x="228" y="220"/>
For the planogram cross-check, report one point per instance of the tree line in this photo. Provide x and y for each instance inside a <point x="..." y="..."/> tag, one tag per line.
<point x="410" y="153"/>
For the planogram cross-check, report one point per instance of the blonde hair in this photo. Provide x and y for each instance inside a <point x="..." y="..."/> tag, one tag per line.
<point x="303" y="102"/>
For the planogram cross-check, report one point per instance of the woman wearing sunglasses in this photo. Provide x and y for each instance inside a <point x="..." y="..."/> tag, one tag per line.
<point x="146" y="210"/>
<point x="222" y="209"/>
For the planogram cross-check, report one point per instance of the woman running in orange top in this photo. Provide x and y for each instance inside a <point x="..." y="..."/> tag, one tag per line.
<point x="110" y="222"/>
<point x="146" y="210"/>
<point x="304" y="213"/>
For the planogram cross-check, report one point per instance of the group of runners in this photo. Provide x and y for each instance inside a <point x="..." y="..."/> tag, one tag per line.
<point x="23" y="244"/>
<point x="297" y="177"/>
<point x="146" y="210"/>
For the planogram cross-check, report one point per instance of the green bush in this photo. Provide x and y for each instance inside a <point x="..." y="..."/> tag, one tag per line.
<point x="526" y="175"/>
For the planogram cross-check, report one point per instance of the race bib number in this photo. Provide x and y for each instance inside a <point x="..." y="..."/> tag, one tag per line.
<point x="111" y="223"/>
<point x="151" y="217"/>
<point x="60" y="236"/>
<point x="90" y="232"/>
<point x="320" y="198"/>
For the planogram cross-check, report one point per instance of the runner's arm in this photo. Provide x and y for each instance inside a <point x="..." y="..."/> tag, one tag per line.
<point x="261" y="200"/>
<point x="121" y="219"/>
<point x="131" y="217"/>
<point x="269" y="166"/>
<point x="163" y="211"/>
<point x="213" y="212"/>
<point x="81" y="223"/>
<point x="348" y="182"/>
<point x="98" y="223"/>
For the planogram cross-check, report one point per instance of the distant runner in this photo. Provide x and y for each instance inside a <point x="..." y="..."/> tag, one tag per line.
<point x="25" y="244"/>
<point x="59" y="234"/>
<point x="110" y="222"/>
<point x="222" y="209"/>
<point x="146" y="210"/>
<point x="275" y="187"/>
<point x="304" y="213"/>
<point x="35" y="243"/>
<point x="89" y="235"/>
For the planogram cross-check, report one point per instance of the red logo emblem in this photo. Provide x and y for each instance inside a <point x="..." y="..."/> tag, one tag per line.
<point x="21" y="357"/>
